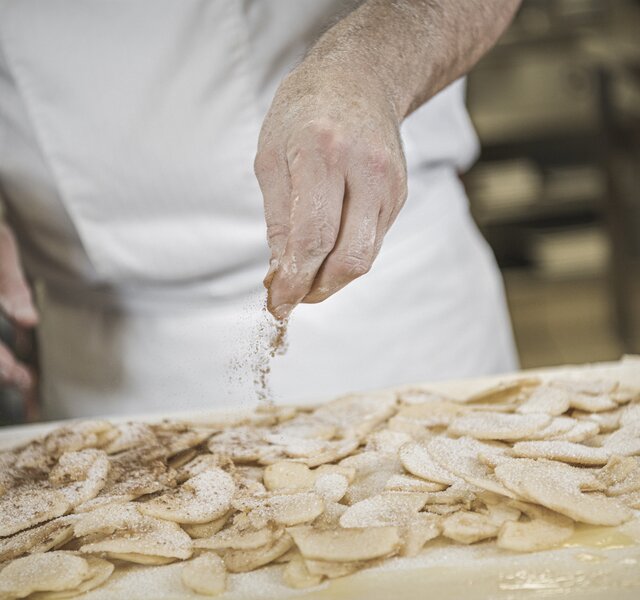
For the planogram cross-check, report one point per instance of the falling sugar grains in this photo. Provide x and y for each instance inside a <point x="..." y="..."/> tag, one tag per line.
<point x="263" y="338"/>
<point x="271" y="341"/>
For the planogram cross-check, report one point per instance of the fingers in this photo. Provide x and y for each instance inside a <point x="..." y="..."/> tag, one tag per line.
<point x="12" y="372"/>
<point x="317" y="192"/>
<point x="354" y="251"/>
<point x="375" y="193"/>
<point x="272" y="173"/>
<point x="16" y="303"/>
<point x="15" y="295"/>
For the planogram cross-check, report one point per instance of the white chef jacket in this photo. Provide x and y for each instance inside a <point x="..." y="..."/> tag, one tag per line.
<point x="127" y="136"/>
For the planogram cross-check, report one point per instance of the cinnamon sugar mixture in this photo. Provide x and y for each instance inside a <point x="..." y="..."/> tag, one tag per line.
<point x="323" y="491"/>
<point x="275" y="332"/>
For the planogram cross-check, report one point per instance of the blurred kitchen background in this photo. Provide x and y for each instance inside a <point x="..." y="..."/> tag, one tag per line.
<point x="557" y="189"/>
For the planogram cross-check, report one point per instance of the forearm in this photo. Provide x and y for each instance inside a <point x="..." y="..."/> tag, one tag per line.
<point x="413" y="48"/>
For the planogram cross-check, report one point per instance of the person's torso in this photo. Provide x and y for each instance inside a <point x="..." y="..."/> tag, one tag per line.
<point x="128" y="131"/>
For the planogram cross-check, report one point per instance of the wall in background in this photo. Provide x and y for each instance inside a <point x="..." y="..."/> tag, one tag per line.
<point x="557" y="190"/>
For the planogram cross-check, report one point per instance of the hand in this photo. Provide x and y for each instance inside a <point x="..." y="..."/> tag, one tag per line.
<point x="332" y="172"/>
<point x="16" y="305"/>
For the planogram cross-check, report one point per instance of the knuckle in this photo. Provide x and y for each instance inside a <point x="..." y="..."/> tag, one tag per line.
<point x="379" y="162"/>
<point x="400" y="188"/>
<point x="313" y="247"/>
<point x="397" y="182"/>
<point x="329" y="139"/>
<point x="383" y="164"/>
<point x="276" y="233"/>
<point x="265" y="162"/>
<point x="351" y="265"/>
<point x="277" y="229"/>
<point x="332" y="144"/>
<point x="398" y="172"/>
<point x="316" y="244"/>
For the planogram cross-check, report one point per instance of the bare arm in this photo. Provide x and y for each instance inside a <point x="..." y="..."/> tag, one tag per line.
<point x="330" y="161"/>
<point x="414" y="48"/>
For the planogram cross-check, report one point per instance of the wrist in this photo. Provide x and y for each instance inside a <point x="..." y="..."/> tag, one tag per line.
<point x="349" y="76"/>
<point x="375" y="66"/>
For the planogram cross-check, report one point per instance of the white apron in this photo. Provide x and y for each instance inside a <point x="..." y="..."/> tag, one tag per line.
<point x="127" y="136"/>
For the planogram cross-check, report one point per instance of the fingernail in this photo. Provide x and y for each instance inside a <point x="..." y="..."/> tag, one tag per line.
<point x="283" y="311"/>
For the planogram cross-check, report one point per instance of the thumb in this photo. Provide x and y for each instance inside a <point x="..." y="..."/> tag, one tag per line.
<point x="16" y="300"/>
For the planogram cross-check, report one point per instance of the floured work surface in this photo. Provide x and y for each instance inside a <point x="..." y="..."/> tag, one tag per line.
<point x="518" y="487"/>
